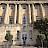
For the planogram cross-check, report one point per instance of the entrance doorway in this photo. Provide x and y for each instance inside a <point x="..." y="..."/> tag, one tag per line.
<point x="24" y="38"/>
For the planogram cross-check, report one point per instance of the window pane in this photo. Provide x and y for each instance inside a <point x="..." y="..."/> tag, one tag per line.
<point x="7" y="32"/>
<point x="22" y="35"/>
<point x="24" y="19"/>
<point x="30" y="34"/>
<point x="11" y="6"/>
<point x="24" y="6"/>
<point x="36" y="6"/>
<point x="3" y="6"/>
<point x="10" y="19"/>
<point x="38" y="17"/>
<point x="17" y="34"/>
<point x="1" y="19"/>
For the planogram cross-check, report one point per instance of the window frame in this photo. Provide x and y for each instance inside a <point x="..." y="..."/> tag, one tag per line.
<point x="11" y="7"/>
<point x="1" y="19"/>
<point x="3" y="6"/>
<point x="30" y="34"/>
<point x="8" y="31"/>
<point x="24" y="6"/>
<point x="38" y="17"/>
<point x="18" y="34"/>
<point x="11" y="20"/>
<point x="24" y="19"/>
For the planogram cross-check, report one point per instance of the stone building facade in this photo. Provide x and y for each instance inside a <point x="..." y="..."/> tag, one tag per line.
<point x="18" y="18"/>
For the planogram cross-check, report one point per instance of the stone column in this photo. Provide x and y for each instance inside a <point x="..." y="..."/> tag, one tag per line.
<point x="6" y="20"/>
<point x="43" y="11"/>
<point x="15" y="14"/>
<point x="1" y="10"/>
<point x="29" y="13"/>
<point x="20" y="15"/>
<point x="33" y="10"/>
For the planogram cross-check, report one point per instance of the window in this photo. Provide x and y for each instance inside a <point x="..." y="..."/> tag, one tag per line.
<point x="30" y="34"/>
<point x="7" y="32"/>
<point x="22" y="36"/>
<point x="10" y="19"/>
<point x="1" y="19"/>
<point x="24" y="31"/>
<point x="38" y="17"/>
<point x="11" y="6"/>
<point x="3" y="6"/>
<point x="24" y="19"/>
<point x="36" y="6"/>
<point x="24" y="6"/>
<point x="26" y="36"/>
<point x="24" y="27"/>
<point x="17" y="34"/>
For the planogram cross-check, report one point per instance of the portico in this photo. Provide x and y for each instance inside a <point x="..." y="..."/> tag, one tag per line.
<point x="18" y="17"/>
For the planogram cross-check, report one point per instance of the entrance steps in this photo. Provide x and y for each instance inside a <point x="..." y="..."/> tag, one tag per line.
<point x="23" y="47"/>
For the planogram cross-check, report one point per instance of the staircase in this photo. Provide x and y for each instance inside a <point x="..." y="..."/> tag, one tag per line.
<point x="23" y="47"/>
<point x="5" y="45"/>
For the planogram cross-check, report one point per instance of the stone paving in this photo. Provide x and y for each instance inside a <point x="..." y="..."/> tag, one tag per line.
<point x="23" y="47"/>
<point x="4" y="45"/>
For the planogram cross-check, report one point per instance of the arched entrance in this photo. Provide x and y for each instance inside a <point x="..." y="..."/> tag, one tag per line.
<point x="24" y="38"/>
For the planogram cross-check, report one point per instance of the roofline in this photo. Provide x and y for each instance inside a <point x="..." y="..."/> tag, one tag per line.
<point x="21" y="2"/>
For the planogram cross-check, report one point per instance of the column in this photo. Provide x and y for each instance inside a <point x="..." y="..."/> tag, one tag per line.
<point x="33" y="10"/>
<point x="43" y="10"/>
<point x="29" y="13"/>
<point x="1" y="10"/>
<point x="20" y="15"/>
<point x="6" y="20"/>
<point x="15" y="14"/>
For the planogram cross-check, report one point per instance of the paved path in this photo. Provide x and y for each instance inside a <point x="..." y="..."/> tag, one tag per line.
<point x="23" y="47"/>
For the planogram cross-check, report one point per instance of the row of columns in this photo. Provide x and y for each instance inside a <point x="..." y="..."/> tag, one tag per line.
<point x="42" y="12"/>
<point x="6" y="20"/>
<point x="17" y="0"/>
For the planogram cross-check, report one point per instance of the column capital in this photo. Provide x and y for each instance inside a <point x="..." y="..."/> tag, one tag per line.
<point x="28" y="3"/>
<point x="19" y="3"/>
<point x="7" y="4"/>
<point x="33" y="3"/>
<point x="15" y="3"/>
<point x="41" y="3"/>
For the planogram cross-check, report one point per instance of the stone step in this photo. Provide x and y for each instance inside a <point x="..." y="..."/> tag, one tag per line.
<point x="23" y="47"/>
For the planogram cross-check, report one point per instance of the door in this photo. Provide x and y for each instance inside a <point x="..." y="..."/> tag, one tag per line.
<point x="24" y="37"/>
